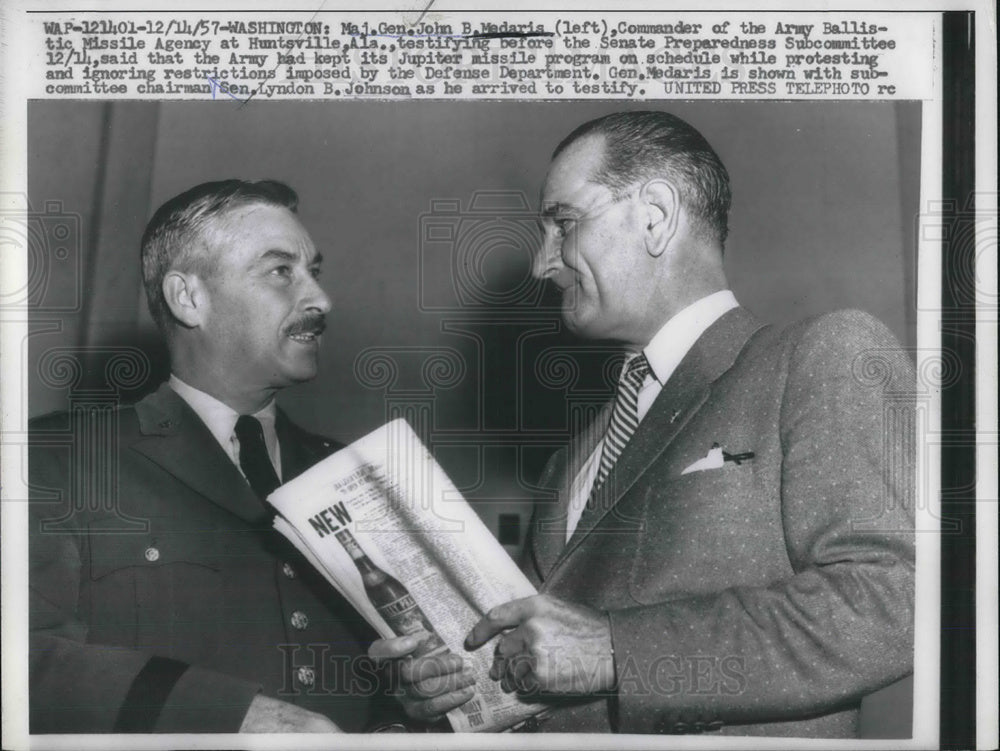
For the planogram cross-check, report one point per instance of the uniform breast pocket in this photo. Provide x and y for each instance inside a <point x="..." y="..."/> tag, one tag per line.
<point x="160" y="593"/>
<point x="693" y="528"/>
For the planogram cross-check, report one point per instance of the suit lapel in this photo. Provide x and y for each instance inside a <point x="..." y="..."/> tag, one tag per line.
<point x="655" y="433"/>
<point x="177" y="440"/>
<point x="299" y="449"/>
<point x="684" y="394"/>
<point x="549" y="532"/>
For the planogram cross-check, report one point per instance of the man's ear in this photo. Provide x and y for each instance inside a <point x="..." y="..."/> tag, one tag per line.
<point x="186" y="297"/>
<point x="662" y="204"/>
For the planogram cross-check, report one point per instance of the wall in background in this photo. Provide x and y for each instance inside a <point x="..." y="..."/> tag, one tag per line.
<point x="825" y="200"/>
<point x="825" y="197"/>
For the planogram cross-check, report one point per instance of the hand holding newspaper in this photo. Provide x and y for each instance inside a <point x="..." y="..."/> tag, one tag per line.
<point x="384" y="525"/>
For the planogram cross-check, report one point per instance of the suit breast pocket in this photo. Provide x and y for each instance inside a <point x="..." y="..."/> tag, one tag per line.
<point x="161" y="593"/>
<point x="696" y="532"/>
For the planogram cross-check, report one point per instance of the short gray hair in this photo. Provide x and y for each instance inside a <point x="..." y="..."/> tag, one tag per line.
<point x="176" y="236"/>
<point x="640" y="146"/>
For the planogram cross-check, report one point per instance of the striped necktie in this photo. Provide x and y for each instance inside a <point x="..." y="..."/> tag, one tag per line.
<point x="624" y="416"/>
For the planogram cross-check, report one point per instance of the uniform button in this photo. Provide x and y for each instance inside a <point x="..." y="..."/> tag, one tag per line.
<point x="287" y="570"/>
<point x="306" y="676"/>
<point x="152" y="554"/>
<point x="300" y="620"/>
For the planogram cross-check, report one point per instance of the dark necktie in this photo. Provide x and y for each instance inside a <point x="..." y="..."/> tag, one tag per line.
<point x="254" y="459"/>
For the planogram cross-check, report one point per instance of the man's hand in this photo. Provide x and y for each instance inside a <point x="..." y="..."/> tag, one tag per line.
<point x="267" y="715"/>
<point x="552" y="646"/>
<point x="431" y="685"/>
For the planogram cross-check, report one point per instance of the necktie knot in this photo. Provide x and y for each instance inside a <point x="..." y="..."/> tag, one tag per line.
<point x="254" y="459"/>
<point x="636" y="370"/>
<point x="249" y="429"/>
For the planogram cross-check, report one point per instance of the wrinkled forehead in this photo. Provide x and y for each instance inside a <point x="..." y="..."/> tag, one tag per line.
<point x="257" y="226"/>
<point x="254" y="218"/>
<point x="571" y="174"/>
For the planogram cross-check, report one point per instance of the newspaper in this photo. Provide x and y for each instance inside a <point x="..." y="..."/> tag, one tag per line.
<point x="384" y="506"/>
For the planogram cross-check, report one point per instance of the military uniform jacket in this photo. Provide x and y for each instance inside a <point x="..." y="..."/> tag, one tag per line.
<point x="161" y="600"/>
<point x="765" y="596"/>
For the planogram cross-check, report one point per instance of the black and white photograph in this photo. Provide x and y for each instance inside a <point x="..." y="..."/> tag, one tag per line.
<point x="601" y="416"/>
<point x="424" y="217"/>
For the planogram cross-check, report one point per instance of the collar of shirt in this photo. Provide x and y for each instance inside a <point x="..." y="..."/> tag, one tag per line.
<point x="672" y="342"/>
<point x="220" y="419"/>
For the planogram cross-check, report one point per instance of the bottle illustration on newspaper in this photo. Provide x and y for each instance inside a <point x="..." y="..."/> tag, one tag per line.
<point x="384" y="525"/>
<point x="391" y="599"/>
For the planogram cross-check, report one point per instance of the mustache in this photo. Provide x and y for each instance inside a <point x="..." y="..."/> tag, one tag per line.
<point x="313" y="324"/>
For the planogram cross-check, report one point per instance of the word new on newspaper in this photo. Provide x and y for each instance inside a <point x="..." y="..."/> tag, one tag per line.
<point x="383" y="523"/>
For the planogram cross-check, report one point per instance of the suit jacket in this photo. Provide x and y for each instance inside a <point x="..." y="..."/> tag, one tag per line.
<point x="765" y="597"/>
<point x="161" y="600"/>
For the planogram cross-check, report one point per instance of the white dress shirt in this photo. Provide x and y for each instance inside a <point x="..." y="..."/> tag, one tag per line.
<point x="664" y="353"/>
<point x="221" y="421"/>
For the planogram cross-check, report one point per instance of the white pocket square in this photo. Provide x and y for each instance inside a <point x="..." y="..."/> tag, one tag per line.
<point x="712" y="460"/>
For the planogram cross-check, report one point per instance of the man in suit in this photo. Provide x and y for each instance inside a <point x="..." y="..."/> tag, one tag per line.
<point x="161" y="599"/>
<point x="729" y="548"/>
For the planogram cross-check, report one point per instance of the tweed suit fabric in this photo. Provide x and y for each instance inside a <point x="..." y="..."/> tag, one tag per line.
<point x="761" y="598"/>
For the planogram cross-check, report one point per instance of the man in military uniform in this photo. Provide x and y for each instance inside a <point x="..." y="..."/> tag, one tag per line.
<point x="204" y="620"/>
